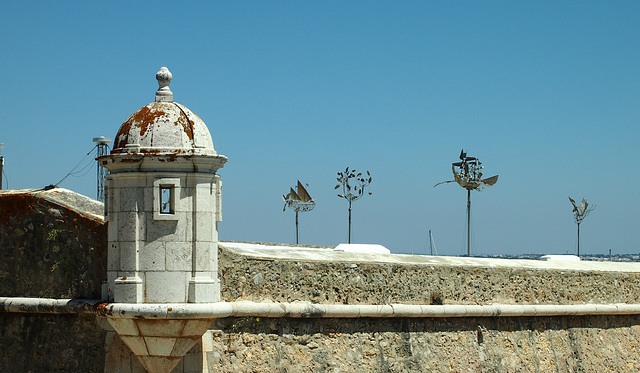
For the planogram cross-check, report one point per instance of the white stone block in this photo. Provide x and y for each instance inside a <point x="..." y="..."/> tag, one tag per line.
<point x="218" y="205"/>
<point x="183" y="229"/>
<point x="148" y="197"/>
<point x="129" y="227"/>
<point x="163" y="230"/>
<point x="160" y="346"/>
<point x="128" y="289"/>
<point x="131" y="199"/>
<point x="188" y="224"/>
<point x="110" y="199"/>
<point x="197" y="327"/>
<point x="204" y="290"/>
<point x="184" y="200"/>
<point x="129" y="180"/>
<point x="204" y="226"/>
<point x="151" y="256"/>
<point x="183" y="345"/>
<point x="112" y="226"/>
<point x="204" y="198"/>
<point x="207" y="340"/>
<point x="128" y="256"/>
<point x="113" y="256"/>
<point x="166" y="287"/>
<point x="136" y="344"/>
<point x="202" y="256"/>
<point x="124" y="326"/>
<point x="179" y="256"/>
<point x="160" y="328"/>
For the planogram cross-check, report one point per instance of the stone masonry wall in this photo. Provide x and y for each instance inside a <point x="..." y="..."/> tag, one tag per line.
<point x="496" y="344"/>
<point x="48" y="250"/>
<point x="51" y="343"/>
<point x="246" y="278"/>
<point x="523" y="344"/>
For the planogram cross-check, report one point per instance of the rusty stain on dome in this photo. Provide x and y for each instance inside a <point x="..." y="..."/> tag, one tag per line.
<point x="164" y="127"/>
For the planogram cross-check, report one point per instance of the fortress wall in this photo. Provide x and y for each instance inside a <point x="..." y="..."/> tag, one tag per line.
<point x="420" y="280"/>
<point x="500" y="344"/>
<point x="50" y="250"/>
<point x="35" y="234"/>
<point x="51" y="343"/>
<point x="526" y="344"/>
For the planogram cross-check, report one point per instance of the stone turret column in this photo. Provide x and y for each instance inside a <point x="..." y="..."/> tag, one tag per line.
<point x="162" y="202"/>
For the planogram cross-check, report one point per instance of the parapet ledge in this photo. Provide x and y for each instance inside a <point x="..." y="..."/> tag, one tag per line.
<point x="77" y="202"/>
<point x="270" y="251"/>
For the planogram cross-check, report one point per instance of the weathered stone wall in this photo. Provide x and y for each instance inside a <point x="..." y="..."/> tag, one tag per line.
<point x="260" y="279"/>
<point x="50" y="343"/>
<point x="50" y="250"/>
<point x="523" y="344"/>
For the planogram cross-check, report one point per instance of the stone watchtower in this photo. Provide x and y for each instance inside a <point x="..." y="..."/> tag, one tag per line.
<point x="162" y="202"/>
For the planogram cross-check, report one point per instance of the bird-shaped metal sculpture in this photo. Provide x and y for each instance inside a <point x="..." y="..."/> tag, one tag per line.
<point x="579" y="213"/>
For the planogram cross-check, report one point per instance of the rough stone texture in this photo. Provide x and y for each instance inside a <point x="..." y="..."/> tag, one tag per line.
<point x="259" y="279"/>
<point x="50" y="343"/>
<point x="549" y="344"/>
<point x="52" y="245"/>
<point x="49" y="249"/>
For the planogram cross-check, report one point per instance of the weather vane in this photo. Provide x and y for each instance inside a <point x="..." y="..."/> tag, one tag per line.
<point x="298" y="200"/>
<point x="467" y="173"/>
<point x="355" y="190"/>
<point x="579" y="213"/>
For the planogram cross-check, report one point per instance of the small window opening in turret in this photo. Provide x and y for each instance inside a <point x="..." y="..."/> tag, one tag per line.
<point x="167" y="199"/>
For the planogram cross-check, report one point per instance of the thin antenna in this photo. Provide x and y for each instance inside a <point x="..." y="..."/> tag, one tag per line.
<point x="101" y="172"/>
<point x="468" y="175"/>
<point x="1" y="165"/>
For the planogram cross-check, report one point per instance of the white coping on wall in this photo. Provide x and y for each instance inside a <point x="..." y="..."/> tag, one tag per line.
<point x="318" y="254"/>
<point x="175" y="311"/>
<point x="67" y="198"/>
<point x="362" y="248"/>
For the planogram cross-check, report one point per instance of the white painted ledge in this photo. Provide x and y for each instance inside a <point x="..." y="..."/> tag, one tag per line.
<point x="300" y="309"/>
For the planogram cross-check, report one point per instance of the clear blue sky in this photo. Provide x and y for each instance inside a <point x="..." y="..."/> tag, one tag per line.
<point x="545" y="94"/>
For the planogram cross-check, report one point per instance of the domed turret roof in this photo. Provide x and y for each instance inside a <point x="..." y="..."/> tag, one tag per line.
<point x="164" y="127"/>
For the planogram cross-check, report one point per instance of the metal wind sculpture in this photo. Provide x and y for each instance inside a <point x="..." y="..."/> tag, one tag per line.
<point x="468" y="175"/>
<point x="579" y="213"/>
<point x="298" y="200"/>
<point x="352" y="193"/>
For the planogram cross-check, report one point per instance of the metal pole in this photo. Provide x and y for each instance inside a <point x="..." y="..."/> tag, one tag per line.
<point x="101" y="171"/>
<point x="296" y="227"/>
<point x="578" y="239"/>
<point x="1" y="166"/>
<point x="468" y="222"/>
<point x="349" y="223"/>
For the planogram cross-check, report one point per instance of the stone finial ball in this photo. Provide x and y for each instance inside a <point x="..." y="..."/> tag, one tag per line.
<point x="164" y="76"/>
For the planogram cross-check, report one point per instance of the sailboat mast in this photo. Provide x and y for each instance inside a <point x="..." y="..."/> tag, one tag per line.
<point x="432" y="244"/>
